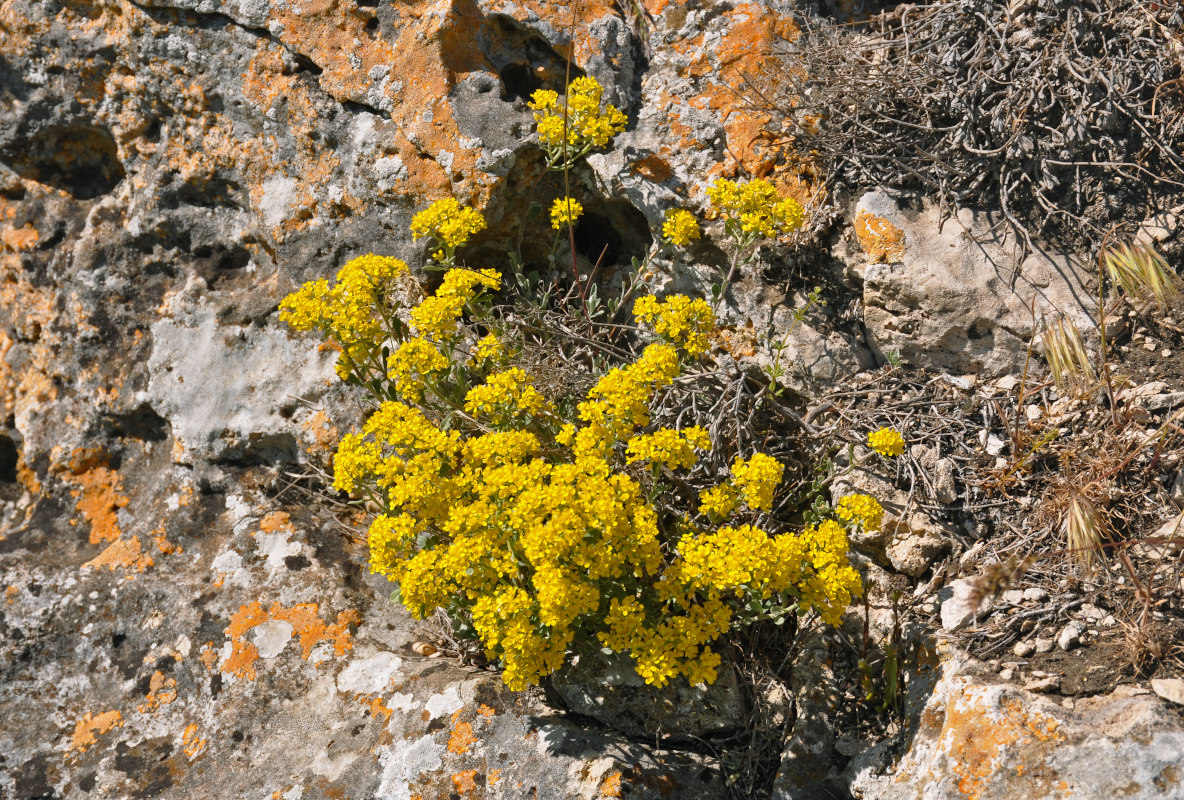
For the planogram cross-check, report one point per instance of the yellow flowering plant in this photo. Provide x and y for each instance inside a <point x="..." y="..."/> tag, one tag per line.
<point x="549" y="518"/>
<point x="571" y="126"/>
<point x="752" y="212"/>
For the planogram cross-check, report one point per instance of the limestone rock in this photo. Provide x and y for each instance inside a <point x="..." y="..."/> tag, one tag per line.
<point x="958" y="606"/>
<point x="943" y="296"/>
<point x="995" y="740"/>
<point x="1170" y="689"/>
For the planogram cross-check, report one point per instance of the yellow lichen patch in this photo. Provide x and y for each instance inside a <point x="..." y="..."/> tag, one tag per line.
<point x="124" y="552"/>
<point x="91" y="726"/>
<point x="10" y="594"/>
<point x="880" y="239"/>
<point x="461" y="738"/>
<point x="302" y="617"/>
<point x="162" y="690"/>
<point x="611" y="785"/>
<point x="464" y="781"/>
<point x="191" y="743"/>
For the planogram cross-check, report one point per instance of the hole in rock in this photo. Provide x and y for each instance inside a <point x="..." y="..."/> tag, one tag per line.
<point x="523" y="60"/>
<point x="142" y="424"/>
<point x="82" y="161"/>
<point x="614" y="227"/>
<point x="8" y="459"/>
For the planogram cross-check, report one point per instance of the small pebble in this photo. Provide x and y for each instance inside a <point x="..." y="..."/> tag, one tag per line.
<point x="1166" y="353"/>
<point x="1109" y="621"/>
<point x="1013" y="596"/>
<point x="1035" y="594"/>
<point x="1149" y="345"/>
<point x="1006" y="673"/>
<point x="1070" y="637"/>
<point x="1049" y="684"/>
<point x="1024" y="649"/>
<point x="1044" y="645"/>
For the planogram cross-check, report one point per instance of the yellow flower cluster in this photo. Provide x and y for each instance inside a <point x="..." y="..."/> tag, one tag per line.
<point x="675" y="449"/>
<point x="449" y="224"/>
<point x="861" y="509"/>
<point x="489" y="347"/>
<point x="756" y="479"/>
<point x="718" y="501"/>
<point x="755" y="206"/>
<point x="410" y="366"/>
<point x="437" y="316"/>
<point x="619" y="403"/>
<point x="680" y="319"/>
<point x="534" y="531"/>
<point x="680" y="227"/>
<point x="565" y="211"/>
<point x="886" y="441"/>
<point x="580" y="117"/>
<point x="504" y="397"/>
<point x="350" y="311"/>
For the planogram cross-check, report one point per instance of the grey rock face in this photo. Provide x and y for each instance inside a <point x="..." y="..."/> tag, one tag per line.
<point x="994" y="740"/>
<point x="953" y="298"/>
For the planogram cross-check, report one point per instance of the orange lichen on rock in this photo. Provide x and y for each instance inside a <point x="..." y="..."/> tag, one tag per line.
<point x="191" y="743"/>
<point x="322" y="434"/>
<point x="18" y="239"/>
<point x="305" y="622"/>
<point x="486" y="711"/>
<point x="10" y="594"/>
<point x="91" y="726"/>
<point x="493" y="777"/>
<point x="98" y="492"/>
<point x="163" y="544"/>
<point x="124" y="552"/>
<point x="209" y="656"/>
<point x="464" y="781"/>
<point x="241" y="662"/>
<point x="880" y="239"/>
<point x="376" y="707"/>
<point x="162" y="690"/>
<point x="976" y="734"/>
<point x="461" y="738"/>
<point x="611" y="785"/>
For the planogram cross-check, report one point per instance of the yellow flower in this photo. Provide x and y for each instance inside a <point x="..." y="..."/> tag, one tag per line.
<point x="680" y="319"/>
<point x="861" y="509"/>
<point x="570" y="128"/>
<point x="680" y="227"/>
<point x="886" y="441"/>
<point x="415" y="360"/>
<point x="449" y="224"/>
<point x="673" y="448"/>
<point x="488" y="347"/>
<point x="755" y="207"/>
<point x="504" y="396"/>
<point x="565" y="211"/>
<point x="718" y="501"/>
<point x="756" y="478"/>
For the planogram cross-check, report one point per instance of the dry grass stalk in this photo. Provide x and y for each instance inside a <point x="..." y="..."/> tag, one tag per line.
<point x="1143" y="274"/>
<point x="1065" y="352"/>
<point x="1083" y="526"/>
